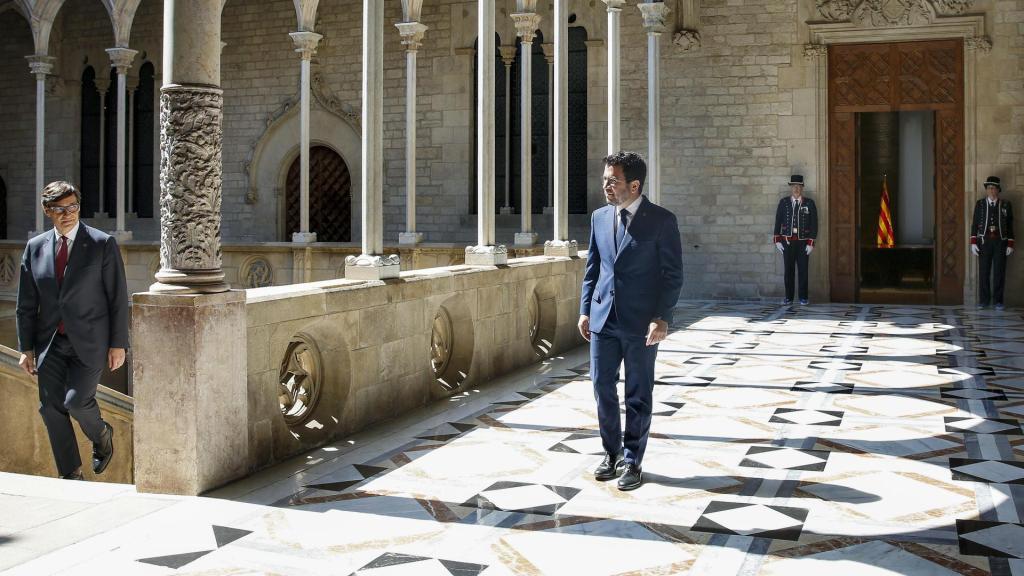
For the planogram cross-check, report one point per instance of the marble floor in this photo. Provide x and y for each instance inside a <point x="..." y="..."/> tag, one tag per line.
<point x="839" y="439"/>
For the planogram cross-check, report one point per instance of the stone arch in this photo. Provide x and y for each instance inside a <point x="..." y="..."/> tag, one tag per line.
<point x="278" y="147"/>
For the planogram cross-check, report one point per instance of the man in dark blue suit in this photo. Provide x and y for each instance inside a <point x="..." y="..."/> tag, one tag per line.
<point x="633" y="276"/>
<point x="72" y="317"/>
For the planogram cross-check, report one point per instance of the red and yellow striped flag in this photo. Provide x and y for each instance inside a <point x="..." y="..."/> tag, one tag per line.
<point x="886" y="238"/>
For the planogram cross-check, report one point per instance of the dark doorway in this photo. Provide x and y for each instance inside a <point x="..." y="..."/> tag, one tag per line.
<point x="142" y="133"/>
<point x="89" y="144"/>
<point x="330" y="196"/>
<point x="3" y="210"/>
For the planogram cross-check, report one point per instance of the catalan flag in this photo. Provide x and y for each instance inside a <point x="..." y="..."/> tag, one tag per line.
<point x="886" y="238"/>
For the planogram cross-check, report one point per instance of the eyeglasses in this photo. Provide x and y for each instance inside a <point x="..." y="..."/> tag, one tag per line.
<point x="70" y="209"/>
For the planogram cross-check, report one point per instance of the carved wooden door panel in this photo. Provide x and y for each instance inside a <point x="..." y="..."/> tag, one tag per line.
<point x="330" y="196"/>
<point x="893" y="77"/>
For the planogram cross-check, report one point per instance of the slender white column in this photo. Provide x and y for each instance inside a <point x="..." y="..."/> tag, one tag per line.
<point x="412" y="39"/>
<point x="102" y="211"/>
<point x="372" y="264"/>
<point x="560" y="245"/>
<point x="485" y="253"/>
<point x="654" y="14"/>
<point x="526" y="28"/>
<point x="508" y="58"/>
<point x="121" y="60"/>
<point x="549" y="57"/>
<point x="305" y="45"/>
<point x="40" y="65"/>
<point x="614" y="74"/>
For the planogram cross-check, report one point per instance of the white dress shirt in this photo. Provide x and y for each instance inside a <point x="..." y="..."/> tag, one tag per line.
<point x="70" y="236"/>
<point x="632" y="207"/>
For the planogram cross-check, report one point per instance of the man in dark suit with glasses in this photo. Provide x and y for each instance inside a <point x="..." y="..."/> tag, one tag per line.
<point x="72" y="317"/>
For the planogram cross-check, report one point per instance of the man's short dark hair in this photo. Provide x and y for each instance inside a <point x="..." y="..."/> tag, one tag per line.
<point x="632" y="164"/>
<point x="58" y="190"/>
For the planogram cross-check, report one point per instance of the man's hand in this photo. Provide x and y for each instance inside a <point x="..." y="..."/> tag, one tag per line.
<point x="28" y="363"/>
<point x="584" y="326"/>
<point x="780" y="247"/>
<point x="1009" y="250"/>
<point x="809" y="249"/>
<point x="115" y="358"/>
<point x="656" y="332"/>
<point x="974" y="249"/>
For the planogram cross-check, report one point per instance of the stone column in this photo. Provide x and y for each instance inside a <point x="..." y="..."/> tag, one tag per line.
<point x="549" y="57"/>
<point x="121" y="60"/>
<point x="485" y="253"/>
<point x="412" y="38"/>
<point x="188" y="332"/>
<point x="560" y="245"/>
<point x="614" y="74"/>
<point x="305" y="45"/>
<point x="654" y="14"/>
<point x="526" y="28"/>
<point x="508" y="58"/>
<point x="40" y="65"/>
<point x="372" y="264"/>
<point x="102" y="209"/>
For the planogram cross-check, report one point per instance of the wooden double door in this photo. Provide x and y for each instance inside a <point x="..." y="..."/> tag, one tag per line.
<point x="903" y="76"/>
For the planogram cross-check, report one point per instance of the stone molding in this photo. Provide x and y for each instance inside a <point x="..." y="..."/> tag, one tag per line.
<point x="306" y="43"/>
<point x="526" y="25"/>
<point x="191" y="132"/>
<point x="881" y="13"/>
<point x="654" y="14"/>
<point x="121" y="58"/>
<point x="41" y="63"/>
<point x="686" y="40"/>
<point x="814" y="51"/>
<point x="615" y="5"/>
<point x="7" y="270"/>
<point x="412" y="34"/>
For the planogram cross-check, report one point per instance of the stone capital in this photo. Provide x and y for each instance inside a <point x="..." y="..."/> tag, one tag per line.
<point x="526" y="25"/>
<point x="41" y="63"/>
<point x="979" y="43"/>
<point x="412" y="34"/>
<point x="654" y="14"/>
<point x="121" y="58"/>
<point x="615" y="5"/>
<point x="814" y="51"/>
<point x="508" y="55"/>
<point x="549" y="51"/>
<point x="306" y="43"/>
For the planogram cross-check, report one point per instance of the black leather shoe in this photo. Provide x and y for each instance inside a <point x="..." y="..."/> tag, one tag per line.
<point x="103" y="452"/>
<point x="631" y="478"/>
<point x="77" y="475"/>
<point x="610" y="467"/>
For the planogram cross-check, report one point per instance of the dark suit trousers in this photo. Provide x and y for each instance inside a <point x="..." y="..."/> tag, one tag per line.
<point x="68" y="388"/>
<point x="608" y="350"/>
<point x="992" y="262"/>
<point x="796" y="260"/>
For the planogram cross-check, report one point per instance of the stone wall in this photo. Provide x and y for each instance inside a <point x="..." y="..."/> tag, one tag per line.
<point x="739" y="115"/>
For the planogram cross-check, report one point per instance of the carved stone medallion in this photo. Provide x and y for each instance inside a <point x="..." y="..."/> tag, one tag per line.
<point x="441" y="342"/>
<point x="256" y="272"/>
<point x="300" y="380"/>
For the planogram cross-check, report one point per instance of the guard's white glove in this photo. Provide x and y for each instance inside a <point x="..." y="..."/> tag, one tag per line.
<point x="1009" y="250"/>
<point x="809" y="249"/>
<point x="779" y="247"/>
<point x="974" y="249"/>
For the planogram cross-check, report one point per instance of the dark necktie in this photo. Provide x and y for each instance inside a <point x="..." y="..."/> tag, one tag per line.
<point x="62" y="263"/>
<point x="621" y="232"/>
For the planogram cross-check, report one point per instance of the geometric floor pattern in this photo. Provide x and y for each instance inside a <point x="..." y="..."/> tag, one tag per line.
<point x="839" y="439"/>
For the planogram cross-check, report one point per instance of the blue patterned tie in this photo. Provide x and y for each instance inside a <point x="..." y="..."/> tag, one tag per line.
<point x="621" y="232"/>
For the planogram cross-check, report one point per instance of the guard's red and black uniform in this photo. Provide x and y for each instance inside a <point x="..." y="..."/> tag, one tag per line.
<point x="796" y="227"/>
<point x="992" y="233"/>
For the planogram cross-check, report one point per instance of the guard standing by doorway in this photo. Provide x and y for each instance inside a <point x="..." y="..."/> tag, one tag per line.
<point x="796" y="227"/>
<point x="992" y="242"/>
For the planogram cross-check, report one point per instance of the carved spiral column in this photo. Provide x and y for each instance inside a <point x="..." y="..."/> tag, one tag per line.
<point x="41" y="65"/>
<point x="191" y="131"/>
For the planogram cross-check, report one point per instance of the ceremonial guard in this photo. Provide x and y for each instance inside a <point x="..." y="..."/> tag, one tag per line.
<point x="992" y="242"/>
<point x="796" y="227"/>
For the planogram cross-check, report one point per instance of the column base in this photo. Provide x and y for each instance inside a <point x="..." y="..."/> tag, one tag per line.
<point x="121" y="235"/>
<point x="526" y="239"/>
<point x="562" y="248"/>
<point x="549" y="209"/>
<point x="303" y="237"/>
<point x="372" y="267"/>
<point x="506" y="210"/>
<point x="410" y="238"/>
<point x="486" y="255"/>
<point x="189" y="282"/>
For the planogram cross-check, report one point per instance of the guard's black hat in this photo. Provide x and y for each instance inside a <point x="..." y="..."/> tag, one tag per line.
<point x="799" y="179"/>
<point x="993" y="181"/>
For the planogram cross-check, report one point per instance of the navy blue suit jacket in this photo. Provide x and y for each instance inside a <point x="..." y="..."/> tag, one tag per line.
<point x="92" y="301"/>
<point x="642" y="278"/>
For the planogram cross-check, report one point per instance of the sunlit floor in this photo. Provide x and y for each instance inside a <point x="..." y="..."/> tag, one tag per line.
<point x="841" y="439"/>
